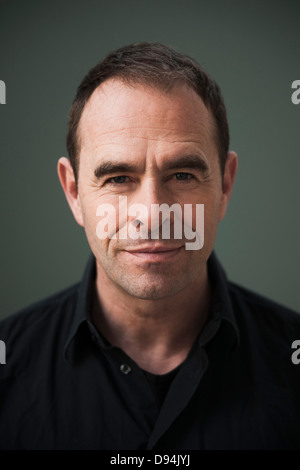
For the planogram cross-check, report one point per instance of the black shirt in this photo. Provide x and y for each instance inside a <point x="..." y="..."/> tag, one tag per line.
<point x="65" y="387"/>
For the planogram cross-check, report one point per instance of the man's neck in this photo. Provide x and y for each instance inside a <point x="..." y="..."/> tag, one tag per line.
<point x="156" y="334"/>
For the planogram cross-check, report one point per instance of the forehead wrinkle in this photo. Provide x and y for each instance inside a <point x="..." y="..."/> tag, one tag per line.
<point x="133" y="129"/>
<point x="132" y="142"/>
<point x="119" y="152"/>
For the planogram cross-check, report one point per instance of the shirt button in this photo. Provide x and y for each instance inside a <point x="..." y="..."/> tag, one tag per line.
<point x="125" y="368"/>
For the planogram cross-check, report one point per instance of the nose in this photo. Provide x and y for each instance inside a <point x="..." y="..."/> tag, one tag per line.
<point x="149" y="196"/>
<point x="145" y="208"/>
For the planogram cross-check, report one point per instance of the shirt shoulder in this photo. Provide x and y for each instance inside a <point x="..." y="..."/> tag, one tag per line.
<point x="41" y="310"/>
<point x="27" y="332"/>
<point x="262" y="315"/>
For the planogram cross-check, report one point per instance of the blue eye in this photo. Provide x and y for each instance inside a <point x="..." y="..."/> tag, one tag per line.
<point x="183" y="176"/>
<point x="118" y="179"/>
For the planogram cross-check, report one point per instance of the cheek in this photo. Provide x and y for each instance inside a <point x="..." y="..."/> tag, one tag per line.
<point x="211" y="202"/>
<point x="89" y="212"/>
<point x="89" y="207"/>
<point x="101" y="224"/>
<point x="211" y="220"/>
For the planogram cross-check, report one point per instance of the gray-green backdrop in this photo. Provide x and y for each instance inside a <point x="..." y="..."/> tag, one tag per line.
<point x="252" y="50"/>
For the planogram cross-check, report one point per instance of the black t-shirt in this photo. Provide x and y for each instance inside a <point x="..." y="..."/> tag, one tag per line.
<point x="160" y="384"/>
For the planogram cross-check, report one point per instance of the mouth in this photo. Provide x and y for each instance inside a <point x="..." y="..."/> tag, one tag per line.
<point x="155" y="253"/>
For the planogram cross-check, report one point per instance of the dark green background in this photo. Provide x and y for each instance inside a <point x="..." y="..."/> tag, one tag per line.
<point x="250" y="48"/>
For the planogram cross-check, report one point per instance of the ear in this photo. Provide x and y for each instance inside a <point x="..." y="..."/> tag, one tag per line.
<point x="228" y="180"/>
<point x="67" y="180"/>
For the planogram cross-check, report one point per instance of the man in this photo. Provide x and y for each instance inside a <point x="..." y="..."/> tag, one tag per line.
<point x="154" y="349"/>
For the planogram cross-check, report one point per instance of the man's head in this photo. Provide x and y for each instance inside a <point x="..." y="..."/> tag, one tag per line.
<point x="154" y="65"/>
<point x="153" y="142"/>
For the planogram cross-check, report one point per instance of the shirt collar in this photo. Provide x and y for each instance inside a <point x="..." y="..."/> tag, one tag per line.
<point x="84" y="301"/>
<point x="221" y="308"/>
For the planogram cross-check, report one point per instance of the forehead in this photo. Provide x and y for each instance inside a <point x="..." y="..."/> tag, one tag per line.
<point x="133" y="115"/>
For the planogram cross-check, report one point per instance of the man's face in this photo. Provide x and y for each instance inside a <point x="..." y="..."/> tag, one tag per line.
<point x="139" y="142"/>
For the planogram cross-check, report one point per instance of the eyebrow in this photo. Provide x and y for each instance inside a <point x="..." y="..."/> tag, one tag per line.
<point x="195" y="162"/>
<point x="109" y="168"/>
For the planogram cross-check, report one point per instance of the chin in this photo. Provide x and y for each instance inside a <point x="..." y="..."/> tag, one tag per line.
<point x="153" y="289"/>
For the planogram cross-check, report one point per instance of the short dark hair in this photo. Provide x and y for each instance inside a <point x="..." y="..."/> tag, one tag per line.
<point x="152" y="64"/>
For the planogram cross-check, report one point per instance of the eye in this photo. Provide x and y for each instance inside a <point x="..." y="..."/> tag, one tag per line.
<point x="183" y="176"/>
<point x="117" y="180"/>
